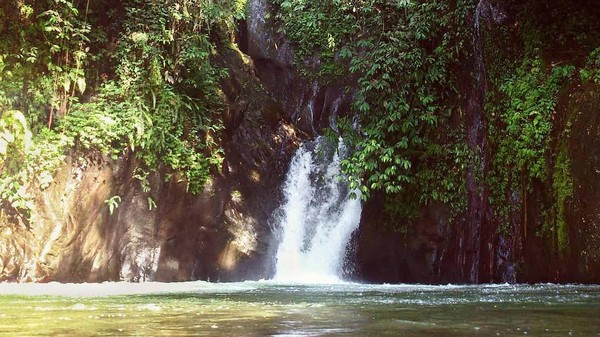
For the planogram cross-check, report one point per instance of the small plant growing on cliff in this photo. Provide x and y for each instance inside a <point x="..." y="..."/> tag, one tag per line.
<point x="15" y="142"/>
<point x="563" y="191"/>
<point x="151" y="204"/>
<point x="592" y="70"/>
<point x="113" y="203"/>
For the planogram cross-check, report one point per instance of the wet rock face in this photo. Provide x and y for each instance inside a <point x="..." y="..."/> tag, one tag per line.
<point x="308" y="104"/>
<point x="220" y="234"/>
<point x="430" y="251"/>
<point x="494" y="11"/>
<point x="583" y="219"/>
<point x="412" y="254"/>
<point x="577" y="257"/>
<point x="70" y="216"/>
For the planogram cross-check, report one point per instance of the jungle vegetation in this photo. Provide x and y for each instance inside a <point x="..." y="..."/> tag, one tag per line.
<point x="137" y="78"/>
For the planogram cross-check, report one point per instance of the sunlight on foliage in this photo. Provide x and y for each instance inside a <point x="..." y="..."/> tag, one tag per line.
<point x="135" y="80"/>
<point x="401" y="53"/>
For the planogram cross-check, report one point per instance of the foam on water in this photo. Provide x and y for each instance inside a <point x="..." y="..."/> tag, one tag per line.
<point x="114" y="288"/>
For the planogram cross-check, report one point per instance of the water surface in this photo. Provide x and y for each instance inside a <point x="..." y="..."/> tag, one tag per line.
<point x="271" y="309"/>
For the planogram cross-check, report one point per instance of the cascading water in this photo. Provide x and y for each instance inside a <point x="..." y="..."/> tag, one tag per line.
<point x="476" y="251"/>
<point x="318" y="217"/>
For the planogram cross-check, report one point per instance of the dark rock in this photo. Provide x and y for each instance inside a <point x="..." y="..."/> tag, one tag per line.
<point x="166" y="234"/>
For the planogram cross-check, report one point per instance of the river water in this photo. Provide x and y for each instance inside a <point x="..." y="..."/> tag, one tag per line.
<point x="314" y="226"/>
<point x="266" y="308"/>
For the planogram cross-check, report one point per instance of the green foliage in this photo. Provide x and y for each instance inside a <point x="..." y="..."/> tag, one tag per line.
<point x="528" y="116"/>
<point x="15" y="141"/>
<point x="562" y="184"/>
<point x="592" y="70"/>
<point x="402" y="53"/>
<point x="26" y="162"/>
<point x="45" y="157"/>
<point x="318" y="28"/>
<point x="522" y="121"/>
<point x="112" y="77"/>
<point x="109" y="122"/>
<point x="151" y="204"/>
<point x="170" y="88"/>
<point x="407" y="130"/>
<point x="113" y="203"/>
<point x="528" y="133"/>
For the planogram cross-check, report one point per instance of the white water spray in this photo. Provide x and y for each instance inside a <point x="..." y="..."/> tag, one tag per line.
<point x="318" y="217"/>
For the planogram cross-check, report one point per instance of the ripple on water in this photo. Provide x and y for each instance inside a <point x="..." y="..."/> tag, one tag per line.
<point x="150" y="307"/>
<point x="267" y="309"/>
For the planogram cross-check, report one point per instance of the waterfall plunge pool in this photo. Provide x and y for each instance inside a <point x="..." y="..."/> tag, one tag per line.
<point x="266" y="308"/>
<point x="314" y="225"/>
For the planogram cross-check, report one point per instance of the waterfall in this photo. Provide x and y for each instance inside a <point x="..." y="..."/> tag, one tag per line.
<point x="476" y="130"/>
<point x="317" y="218"/>
<point x="477" y="257"/>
